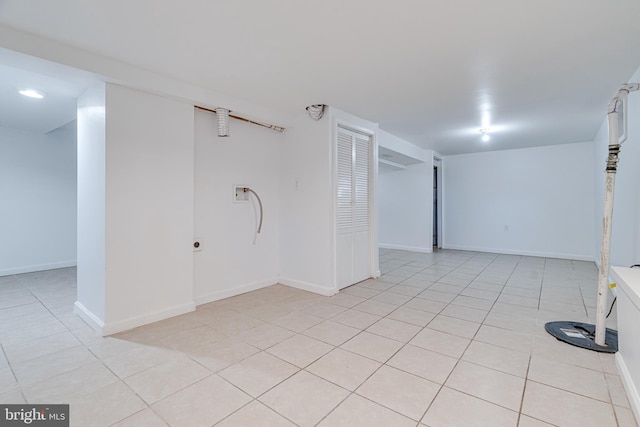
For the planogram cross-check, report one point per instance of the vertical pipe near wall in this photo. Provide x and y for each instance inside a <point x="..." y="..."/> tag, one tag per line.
<point x="605" y="248"/>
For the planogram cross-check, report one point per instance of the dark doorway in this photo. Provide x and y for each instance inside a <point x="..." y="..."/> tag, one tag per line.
<point x="435" y="207"/>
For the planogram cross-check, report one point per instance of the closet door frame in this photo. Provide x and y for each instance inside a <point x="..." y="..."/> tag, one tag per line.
<point x="337" y="124"/>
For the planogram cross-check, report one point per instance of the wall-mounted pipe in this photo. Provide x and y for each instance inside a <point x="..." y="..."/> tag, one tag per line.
<point x="235" y="116"/>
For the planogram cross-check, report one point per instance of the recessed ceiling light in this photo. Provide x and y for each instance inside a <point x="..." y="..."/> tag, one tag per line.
<point x="485" y="134"/>
<point x="32" y="93"/>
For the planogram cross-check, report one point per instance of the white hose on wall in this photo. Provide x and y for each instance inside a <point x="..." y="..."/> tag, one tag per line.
<point x="249" y="190"/>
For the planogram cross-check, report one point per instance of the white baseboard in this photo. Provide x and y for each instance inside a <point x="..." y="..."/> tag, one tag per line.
<point x="406" y="248"/>
<point x="39" y="267"/>
<point x="91" y="319"/>
<point x="111" y="328"/>
<point x="629" y="386"/>
<point x="520" y="252"/>
<point x="218" y="295"/>
<point x="305" y="286"/>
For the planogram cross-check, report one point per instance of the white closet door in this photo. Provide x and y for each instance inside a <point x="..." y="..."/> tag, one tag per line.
<point x="353" y="241"/>
<point x="361" y="269"/>
<point x="345" y="185"/>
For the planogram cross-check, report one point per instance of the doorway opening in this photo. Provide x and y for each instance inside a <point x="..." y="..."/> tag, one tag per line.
<point x="437" y="203"/>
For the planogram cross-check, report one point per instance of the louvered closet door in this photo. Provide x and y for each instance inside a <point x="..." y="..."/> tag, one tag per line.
<point x="353" y="165"/>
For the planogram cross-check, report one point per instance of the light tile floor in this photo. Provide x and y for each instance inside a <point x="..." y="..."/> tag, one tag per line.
<point x="446" y="339"/>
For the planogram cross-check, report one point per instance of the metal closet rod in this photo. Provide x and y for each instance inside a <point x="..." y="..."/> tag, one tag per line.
<point x="264" y="125"/>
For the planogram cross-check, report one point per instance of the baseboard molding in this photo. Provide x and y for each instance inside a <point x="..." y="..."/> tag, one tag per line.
<point x="39" y="267"/>
<point x="629" y="386"/>
<point x="110" y="328"/>
<point x="519" y="252"/>
<point x="218" y="295"/>
<point x="306" y="286"/>
<point x="91" y="319"/>
<point x="406" y="248"/>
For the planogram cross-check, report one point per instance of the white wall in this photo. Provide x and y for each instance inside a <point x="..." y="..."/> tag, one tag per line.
<point x="406" y="208"/>
<point x="149" y="209"/>
<point x="306" y="205"/>
<point x="143" y="207"/>
<point x="229" y="262"/>
<point x="405" y="199"/>
<point x="37" y="200"/>
<point x="625" y="241"/>
<point x="543" y="195"/>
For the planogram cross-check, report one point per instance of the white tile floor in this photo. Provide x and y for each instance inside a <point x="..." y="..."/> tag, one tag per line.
<point x="446" y="339"/>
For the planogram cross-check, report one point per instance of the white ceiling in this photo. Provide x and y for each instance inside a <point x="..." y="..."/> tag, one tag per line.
<point x="56" y="109"/>
<point x="542" y="71"/>
<point x="62" y="86"/>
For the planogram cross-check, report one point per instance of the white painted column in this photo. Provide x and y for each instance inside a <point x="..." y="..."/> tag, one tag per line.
<point x="91" y="207"/>
<point x="135" y="209"/>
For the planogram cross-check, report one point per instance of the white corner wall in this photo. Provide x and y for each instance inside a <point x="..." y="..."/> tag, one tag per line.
<point x="534" y="201"/>
<point x="149" y="208"/>
<point x="232" y="259"/>
<point x="38" y="194"/>
<point x="625" y="239"/>
<point x="135" y="208"/>
<point x="306" y="206"/>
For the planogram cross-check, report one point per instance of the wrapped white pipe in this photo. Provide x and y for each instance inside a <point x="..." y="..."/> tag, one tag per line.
<point x="223" y="122"/>
<point x="605" y="248"/>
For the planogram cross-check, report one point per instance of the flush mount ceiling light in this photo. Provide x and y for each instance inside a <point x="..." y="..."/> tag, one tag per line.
<point x="316" y="111"/>
<point x="485" y="134"/>
<point x="223" y="122"/>
<point x="32" y="93"/>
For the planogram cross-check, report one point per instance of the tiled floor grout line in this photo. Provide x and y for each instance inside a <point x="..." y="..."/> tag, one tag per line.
<point x="530" y="355"/>
<point x="461" y="356"/>
<point x="122" y="380"/>
<point x="441" y="386"/>
<point x="404" y="343"/>
<point x="524" y="389"/>
<point x="471" y="340"/>
<point x="311" y="373"/>
<point x="390" y="357"/>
